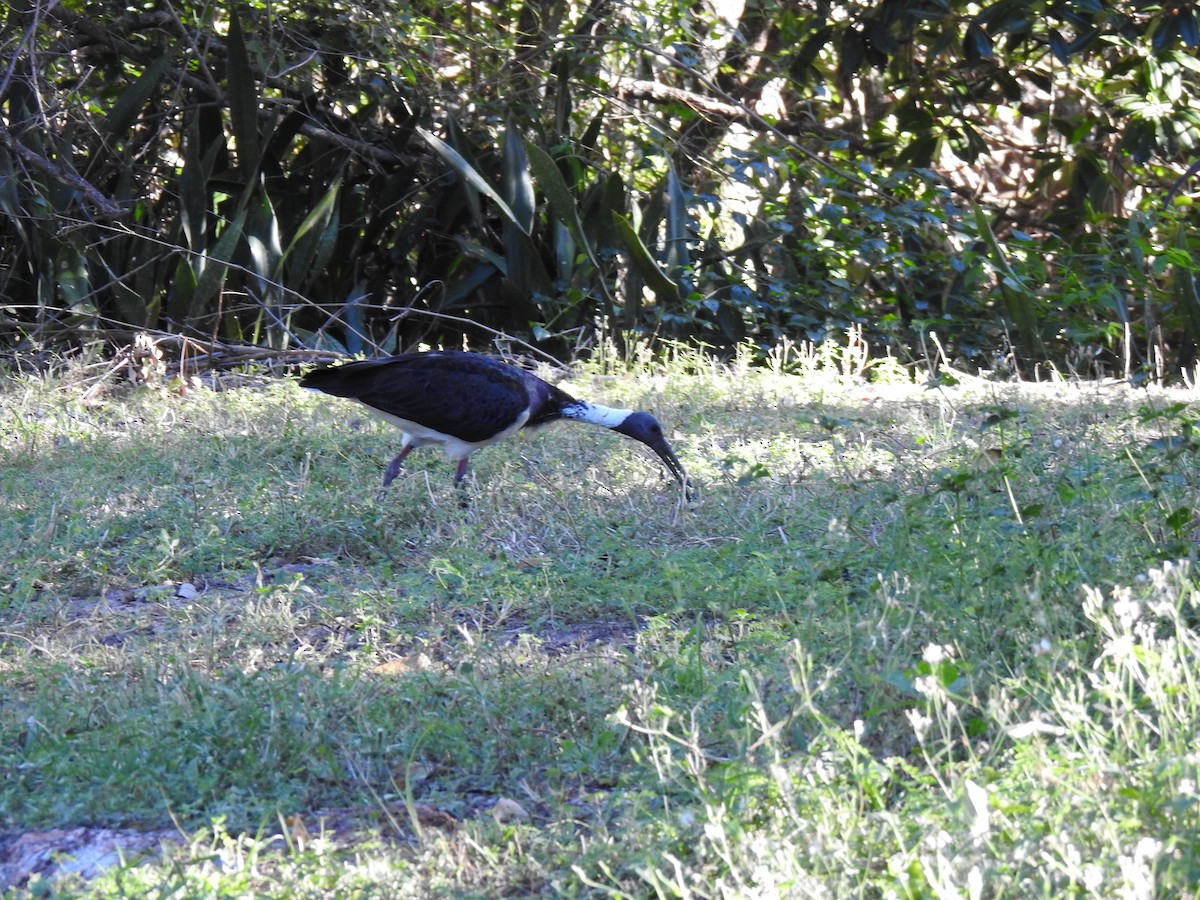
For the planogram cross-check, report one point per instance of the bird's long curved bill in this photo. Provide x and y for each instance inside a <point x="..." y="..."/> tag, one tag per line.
<point x="667" y="455"/>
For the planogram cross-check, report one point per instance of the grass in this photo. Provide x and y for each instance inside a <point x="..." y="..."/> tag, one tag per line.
<point x="906" y="642"/>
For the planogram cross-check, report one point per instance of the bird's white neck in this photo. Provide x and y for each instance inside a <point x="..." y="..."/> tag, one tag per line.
<point x="595" y="414"/>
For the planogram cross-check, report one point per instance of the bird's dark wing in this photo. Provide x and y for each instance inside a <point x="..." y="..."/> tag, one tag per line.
<point x="464" y="395"/>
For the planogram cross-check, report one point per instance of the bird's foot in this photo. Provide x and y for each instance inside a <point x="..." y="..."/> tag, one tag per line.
<point x="394" y="467"/>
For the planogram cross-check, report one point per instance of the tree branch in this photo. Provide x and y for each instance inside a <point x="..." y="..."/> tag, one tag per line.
<point x="106" y="209"/>
<point x="641" y="89"/>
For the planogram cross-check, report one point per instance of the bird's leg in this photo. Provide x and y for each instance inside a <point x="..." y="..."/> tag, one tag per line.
<point x="464" y="496"/>
<point x="396" y="464"/>
<point x="461" y="471"/>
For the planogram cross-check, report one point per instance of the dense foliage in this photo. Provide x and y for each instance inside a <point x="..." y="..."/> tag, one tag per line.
<point x="998" y="185"/>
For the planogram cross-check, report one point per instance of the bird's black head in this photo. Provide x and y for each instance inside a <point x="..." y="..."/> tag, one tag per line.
<point x="645" y="428"/>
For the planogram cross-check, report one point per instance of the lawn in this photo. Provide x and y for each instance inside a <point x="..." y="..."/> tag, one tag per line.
<point x="905" y="640"/>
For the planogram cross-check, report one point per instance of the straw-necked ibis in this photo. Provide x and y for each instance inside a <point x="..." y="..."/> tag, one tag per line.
<point x="464" y="401"/>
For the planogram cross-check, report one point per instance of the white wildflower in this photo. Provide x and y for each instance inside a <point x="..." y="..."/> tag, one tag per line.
<point x="919" y="721"/>
<point x="935" y="654"/>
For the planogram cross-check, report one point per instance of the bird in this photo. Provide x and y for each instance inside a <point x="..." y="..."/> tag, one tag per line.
<point x="465" y="401"/>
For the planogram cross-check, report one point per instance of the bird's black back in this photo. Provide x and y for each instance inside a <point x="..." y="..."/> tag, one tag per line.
<point x="465" y="395"/>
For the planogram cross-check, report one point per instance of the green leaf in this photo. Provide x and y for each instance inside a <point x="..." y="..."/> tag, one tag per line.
<point x="194" y="186"/>
<point x="1058" y="46"/>
<point x="213" y="276"/>
<point x="262" y="237"/>
<point x="475" y="250"/>
<point x="467" y="172"/>
<point x="311" y="249"/>
<point x="518" y="184"/>
<point x="565" y="248"/>
<point x="554" y="187"/>
<point x="592" y="132"/>
<point x="74" y="283"/>
<point x="132" y="307"/>
<point x="664" y="288"/>
<point x="465" y="285"/>
<point x="126" y="109"/>
<point x="559" y="196"/>
<point x="597" y="211"/>
<point x="1179" y="518"/>
<point x="677" y="261"/>
<point x="182" y="298"/>
<point x="1165" y="33"/>
<point x="318" y="216"/>
<point x="10" y="199"/>
<point x="977" y="43"/>
<point x="752" y="474"/>
<point x="243" y="99"/>
<point x="1018" y="297"/>
<point x="562" y="96"/>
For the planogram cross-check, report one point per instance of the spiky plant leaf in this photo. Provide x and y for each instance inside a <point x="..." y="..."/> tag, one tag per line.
<point x="194" y="187"/>
<point x="467" y="172"/>
<point x="518" y="183"/>
<point x="312" y="245"/>
<point x="643" y="260"/>
<point x="126" y="109"/>
<point x="562" y="94"/>
<point x="677" y="261"/>
<point x="243" y="98"/>
<point x="520" y="253"/>
<point x="10" y="198"/>
<point x="1017" y="295"/>
<point x="556" y="191"/>
<point x="182" y="299"/>
<point x="317" y="216"/>
<point x="212" y="278"/>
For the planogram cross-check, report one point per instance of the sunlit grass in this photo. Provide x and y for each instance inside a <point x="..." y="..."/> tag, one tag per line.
<point x="903" y="640"/>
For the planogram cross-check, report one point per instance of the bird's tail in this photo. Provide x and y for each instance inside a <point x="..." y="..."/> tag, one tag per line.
<point x="340" y="381"/>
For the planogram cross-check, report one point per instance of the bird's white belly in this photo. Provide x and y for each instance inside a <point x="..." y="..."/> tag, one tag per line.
<point x="455" y="448"/>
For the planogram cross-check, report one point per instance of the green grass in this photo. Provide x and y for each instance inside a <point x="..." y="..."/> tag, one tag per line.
<point x="905" y="642"/>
